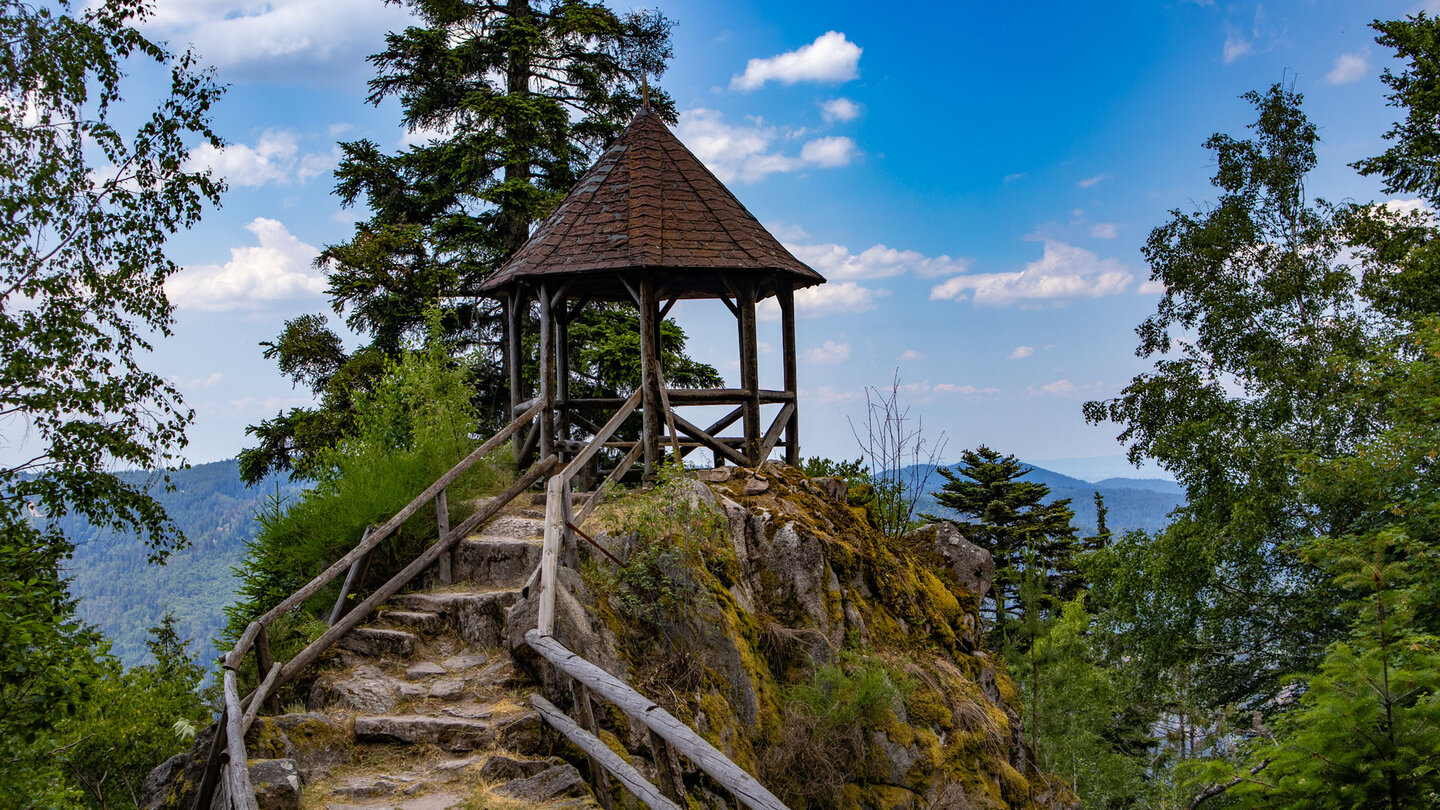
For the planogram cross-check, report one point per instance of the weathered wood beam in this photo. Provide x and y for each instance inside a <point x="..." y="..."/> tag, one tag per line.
<point x="650" y="431"/>
<point x="237" y="778"/>
<point x="710" y="441"/>
<point x="598" y="750"/>
<point x="730" y="305"/>
<point x="686" y="741"/>
<point x="782" y="420"/>
<point x="353" y="580"/>
<point x="513" y="362"/>
<point x="601" y="435"/>
<point x="205" y="793"/>
<point x="725" y="421"/>
<point x="665" y="310"/>
<point x="550" y="552"/>
<point x="442" y="526"/>
<point x="609" y="483"/>
<point x="547" y="373"/>
<point x="750" y="375"/>
<point x="585" y="717"/>
<point x="261" y="694"/>
<point x="562" y="372"/>
<point x="785" y="296"/>
<point x="263" y="662"/>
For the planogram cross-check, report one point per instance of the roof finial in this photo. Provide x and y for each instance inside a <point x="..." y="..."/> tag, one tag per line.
<point x="644" y="91"/>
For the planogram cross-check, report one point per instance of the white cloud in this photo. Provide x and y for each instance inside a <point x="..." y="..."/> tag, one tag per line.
<point x="1236" y="46"/>
<point x="828" y="352"/>
<point x="826" y="395"/>
<point x="839" y="109"/>
<point x="878" y="261"/>
<point x="910" y="354"/>
<point x="1090" y="181"/>
<point x="830" y="58"/>
<point x="275" y="158"/>
<point x="1404" y="207"/>
<point x="1062" y="273"/>
<point x="825" y="299"/>
<point x="1104" y="230"/>
<point x="828" y="152"/>
<point x="279" y="40"/>
<point x="1010" y="178"/>
<point x="743" y="152"/>
<point x="926" y="389"/>
<point x="208" y="381"/>
<point x="1063" y="388"/>
<point x="1349" y="68"/>
<point x="1020" y="353"/>
<point x="278" y="269"/>
<point x="1153" y="286"/>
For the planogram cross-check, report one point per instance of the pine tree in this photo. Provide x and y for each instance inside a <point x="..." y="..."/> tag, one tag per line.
<point x="1003" y="514"/>
<point x="517" y="98"/>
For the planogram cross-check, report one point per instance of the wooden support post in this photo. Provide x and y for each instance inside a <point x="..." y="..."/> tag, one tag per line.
<point x="353" y="580"/>
<point x="585" y="716"/>
<point x="562" y="370"/>
<point x="750" y="375"/>
<point x="547" y="374"/>
<point x="785" y="295"/>
<point x="442" y="524"/>
<point x="667" y="771"/>
<point x="210" y="777"/>
<point x="263" y="662"/>
<point x="514" y="363"/>
<point x="591" y="745"/>
<point x="650" y="401"/>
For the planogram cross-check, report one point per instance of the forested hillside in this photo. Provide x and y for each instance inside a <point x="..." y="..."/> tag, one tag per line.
<point x="123" y="595"/>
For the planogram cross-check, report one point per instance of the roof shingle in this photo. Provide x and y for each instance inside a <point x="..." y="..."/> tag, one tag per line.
<point x="649" y="204"/>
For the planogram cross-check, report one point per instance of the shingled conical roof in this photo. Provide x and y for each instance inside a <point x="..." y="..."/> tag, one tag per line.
<point x="649" y="205"/>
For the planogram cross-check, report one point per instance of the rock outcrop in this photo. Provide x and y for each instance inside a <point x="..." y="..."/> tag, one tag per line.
<point x="842" y="668"/>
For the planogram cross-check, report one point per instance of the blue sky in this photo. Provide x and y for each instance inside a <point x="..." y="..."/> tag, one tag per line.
<point x="974" y="179"/>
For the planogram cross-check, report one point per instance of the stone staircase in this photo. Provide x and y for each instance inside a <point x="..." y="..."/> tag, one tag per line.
<point x="422" y="708"/>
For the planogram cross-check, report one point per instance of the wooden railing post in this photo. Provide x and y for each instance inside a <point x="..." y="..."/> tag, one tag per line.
<point x="585" y="715"/>
<point x="667" y="771"/>
<point x="442" y="522"/>
<point x="353" y="580"/>
<point x="263" y="664"/>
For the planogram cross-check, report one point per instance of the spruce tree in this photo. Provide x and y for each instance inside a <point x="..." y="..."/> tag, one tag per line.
<point x="1004" y="515"/>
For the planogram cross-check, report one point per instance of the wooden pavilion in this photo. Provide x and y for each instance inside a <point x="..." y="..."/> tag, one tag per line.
<point x="650" y="225"/>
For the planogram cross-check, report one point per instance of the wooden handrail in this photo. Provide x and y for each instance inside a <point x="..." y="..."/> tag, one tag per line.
<point x="325" y="577"/>
<point x="237" y="716"/>
<point x="599" y="751"/>
<point x="745" y="787"/>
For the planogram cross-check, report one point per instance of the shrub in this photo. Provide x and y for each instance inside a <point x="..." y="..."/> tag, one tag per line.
<point x="416" y="424"/>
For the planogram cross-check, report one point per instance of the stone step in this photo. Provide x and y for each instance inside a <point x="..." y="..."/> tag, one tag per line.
<point x="477" y="617"/>
<point x="520" y="731"/>
<point x="514" y="527"/>
<point x="494" y="561"/>
<point x="417" y="621"/>
<point x="375" y="642"/>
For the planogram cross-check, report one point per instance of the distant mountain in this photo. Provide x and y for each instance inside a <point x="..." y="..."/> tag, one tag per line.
<point x="124" y="595"/>
<point x="1133" y="503"/>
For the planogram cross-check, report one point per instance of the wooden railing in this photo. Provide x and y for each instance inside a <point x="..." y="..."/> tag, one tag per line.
<point x="667" y="734"/>
<point x="237" y="715"/>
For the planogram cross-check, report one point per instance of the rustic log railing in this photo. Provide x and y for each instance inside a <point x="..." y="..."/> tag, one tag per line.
<point x="237" y="715"/>
<point x="667" y="734"/>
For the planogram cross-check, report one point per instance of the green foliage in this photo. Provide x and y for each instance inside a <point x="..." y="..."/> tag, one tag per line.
<point x="825" y="728"/>
<point x="673" y="531"/>
<point x="1080" y="711"/>
<point x="530" y="93"/>
<point x="851" y="472"/>
<point x="1258" y="300"/>
<point x="855" y="691"/>
<point x="416" y="424"/>
<point x="87" y="206"/>
<point x="1006" y="516"/>
<point x="130" y="725"/>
